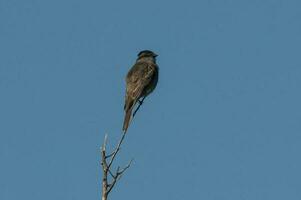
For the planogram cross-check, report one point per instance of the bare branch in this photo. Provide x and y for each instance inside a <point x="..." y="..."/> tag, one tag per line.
<point x="116" y="150"/>
<point x="107" y="165"/>
<point x="111" y="173"/>
<point x="114" y="181"/>
<point x="104" y="169"/>
<point x="126" y="167"/>
<point x="111" y="154"/>
<point x="103" y="150"/>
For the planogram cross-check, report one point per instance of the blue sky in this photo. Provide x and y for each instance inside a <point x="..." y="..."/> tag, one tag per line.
<point x="223" y="123"/>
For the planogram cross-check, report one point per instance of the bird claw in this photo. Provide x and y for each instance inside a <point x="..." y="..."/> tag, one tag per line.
<point x="140" y="102"/>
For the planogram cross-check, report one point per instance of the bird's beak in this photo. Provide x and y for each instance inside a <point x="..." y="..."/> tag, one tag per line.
<point x="155" y="55"/>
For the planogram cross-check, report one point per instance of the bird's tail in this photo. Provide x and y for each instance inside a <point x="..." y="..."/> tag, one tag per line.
<point x="127" y="119"/>
<point x="128" y="107"/>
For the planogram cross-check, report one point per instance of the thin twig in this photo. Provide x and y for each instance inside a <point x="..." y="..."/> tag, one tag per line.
<point x="107" y="165"/>
<point x="104" y="169"/>
<point x="116" y="150"/>
<point x="140" y="103"/>
<point x="126" y="167"/>
<point x="111" y="173"/>
<point x="108" y="156"/>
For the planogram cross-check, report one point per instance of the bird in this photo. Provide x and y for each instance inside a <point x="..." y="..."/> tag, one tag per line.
<point x="141" y="80"/>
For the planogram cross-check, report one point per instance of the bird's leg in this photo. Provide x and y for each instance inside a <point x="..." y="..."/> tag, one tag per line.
<point x="140" y="103"/>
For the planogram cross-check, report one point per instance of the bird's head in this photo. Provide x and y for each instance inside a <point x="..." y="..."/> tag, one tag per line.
<point x="147" y="54"/>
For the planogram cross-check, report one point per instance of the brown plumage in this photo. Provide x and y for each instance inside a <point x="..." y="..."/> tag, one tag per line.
<point x="141" y="80"/>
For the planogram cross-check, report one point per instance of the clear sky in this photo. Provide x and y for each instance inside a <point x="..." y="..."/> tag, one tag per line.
<point x="223" y="123"/>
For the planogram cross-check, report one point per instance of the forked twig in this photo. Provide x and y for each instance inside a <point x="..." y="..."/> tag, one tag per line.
<point x="108" y="185"/>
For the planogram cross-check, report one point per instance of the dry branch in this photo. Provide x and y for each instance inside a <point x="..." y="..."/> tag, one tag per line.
<point x="106" y="162"/>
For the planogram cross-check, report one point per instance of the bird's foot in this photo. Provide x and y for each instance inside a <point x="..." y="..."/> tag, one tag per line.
<point x="140" y="102"/>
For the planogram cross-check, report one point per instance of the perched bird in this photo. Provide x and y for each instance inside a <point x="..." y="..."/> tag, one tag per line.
<point x="141" y="80"/>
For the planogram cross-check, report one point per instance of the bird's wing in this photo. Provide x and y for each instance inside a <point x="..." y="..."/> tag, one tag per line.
<point x="138" y="78"/>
